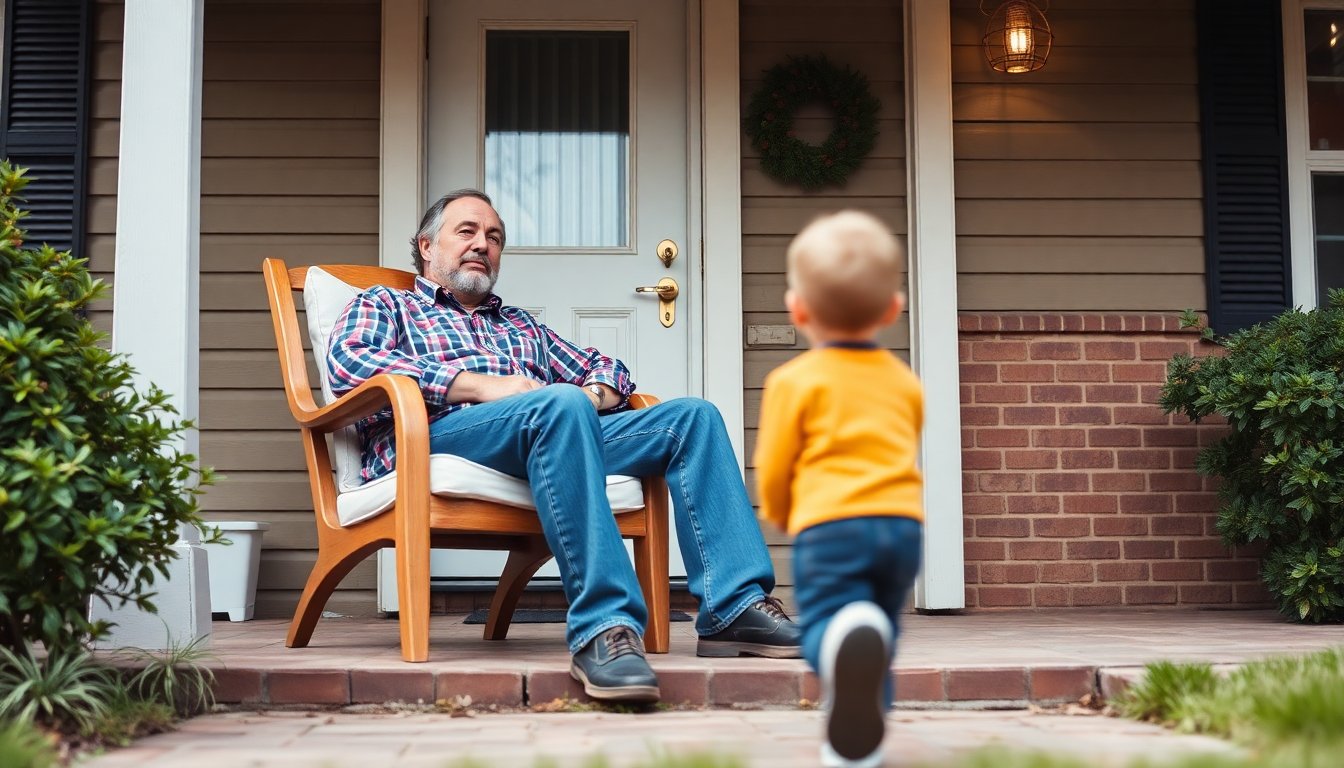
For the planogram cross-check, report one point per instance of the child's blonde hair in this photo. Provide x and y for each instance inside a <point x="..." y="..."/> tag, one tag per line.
<point x="846" y="267"/>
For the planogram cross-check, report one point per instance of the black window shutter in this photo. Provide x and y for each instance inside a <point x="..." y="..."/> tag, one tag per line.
<point x="43" y="114"/>
<point x="1244" y="161"/>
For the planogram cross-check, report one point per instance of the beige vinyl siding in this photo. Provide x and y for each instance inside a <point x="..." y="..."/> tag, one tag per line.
<point x="104" y="114"/>
<point x="1078" y="185"/>
<point x="289" y="168"/>
<point x="866" y="35"/>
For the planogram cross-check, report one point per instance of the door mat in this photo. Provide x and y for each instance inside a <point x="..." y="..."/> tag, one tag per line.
<point x="544" y="616"/>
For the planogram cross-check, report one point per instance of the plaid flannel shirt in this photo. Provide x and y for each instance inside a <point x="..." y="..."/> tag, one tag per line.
<point x="426" y="334"/>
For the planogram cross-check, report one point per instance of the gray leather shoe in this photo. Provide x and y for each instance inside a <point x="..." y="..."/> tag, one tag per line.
<point x="762" y="630"/>
<point x="612" y="668"/>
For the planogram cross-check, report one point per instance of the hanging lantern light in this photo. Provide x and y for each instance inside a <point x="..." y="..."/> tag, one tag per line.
<point x="1018" y="37"/>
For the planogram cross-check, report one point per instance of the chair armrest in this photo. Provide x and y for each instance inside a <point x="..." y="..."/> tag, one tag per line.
<point x="402" y="393"/>
<point x="642" y="400"/>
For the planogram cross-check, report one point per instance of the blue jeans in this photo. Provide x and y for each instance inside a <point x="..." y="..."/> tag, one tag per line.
<point x="554" y="438"/>
<point x="844" y="561"/>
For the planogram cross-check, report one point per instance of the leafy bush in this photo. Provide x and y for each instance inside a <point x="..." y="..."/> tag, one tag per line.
<point x="93" y="488"/>
<point x="1282" y="463"/>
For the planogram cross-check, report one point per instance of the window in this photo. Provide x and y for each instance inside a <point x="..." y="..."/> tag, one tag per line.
<point x="557" y="136"/>
<point x="43" y="114"/>
<point x="1313" y="35"/>
<point x="1327" y="194"/>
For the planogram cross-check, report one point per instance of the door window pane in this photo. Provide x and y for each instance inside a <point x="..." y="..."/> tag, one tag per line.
<point x="1327" y="192"/>
<point x="1325" y="78"/>
<point x="557" y="136"/>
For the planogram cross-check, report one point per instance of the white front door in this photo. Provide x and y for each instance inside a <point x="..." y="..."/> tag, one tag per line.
<point x="572" y="117"/>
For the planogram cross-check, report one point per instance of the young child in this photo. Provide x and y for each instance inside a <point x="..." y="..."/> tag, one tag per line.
<point x="835" y="466"/>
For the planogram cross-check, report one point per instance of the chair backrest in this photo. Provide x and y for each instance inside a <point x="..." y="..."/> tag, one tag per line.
<point x="327" y="291"/>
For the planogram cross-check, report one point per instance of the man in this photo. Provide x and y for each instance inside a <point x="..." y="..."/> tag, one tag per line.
<point x="505" y="391"/>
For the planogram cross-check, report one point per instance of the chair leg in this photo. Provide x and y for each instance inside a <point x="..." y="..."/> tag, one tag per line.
<point x="326" y="574"/>
<point x="519" y="568"/>
<point x="413" y="601"/>
<point x="651" y="568"/>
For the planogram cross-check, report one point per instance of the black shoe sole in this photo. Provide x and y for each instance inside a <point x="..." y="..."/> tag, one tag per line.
<point x="625" y="693"/>
<point x="857" y="719"/>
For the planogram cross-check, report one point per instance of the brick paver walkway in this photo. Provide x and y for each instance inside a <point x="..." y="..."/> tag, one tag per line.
<point x="952" y="664"/>
<point x="977" y="659"/>
<point x="770" y="739"/>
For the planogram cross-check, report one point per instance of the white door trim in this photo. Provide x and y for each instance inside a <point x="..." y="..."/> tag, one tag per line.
<point x="1302" y="159"/>
<point x="401" y="168"/>
<point x="401" y="130"/>
<point x="721" y="214"/>
<point x="931" y="202"/>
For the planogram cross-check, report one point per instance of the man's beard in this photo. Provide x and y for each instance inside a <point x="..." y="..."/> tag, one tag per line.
<point x="463" y="282"/>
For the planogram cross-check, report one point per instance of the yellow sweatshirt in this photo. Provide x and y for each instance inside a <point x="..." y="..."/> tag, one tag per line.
<point x="838" y="437"/>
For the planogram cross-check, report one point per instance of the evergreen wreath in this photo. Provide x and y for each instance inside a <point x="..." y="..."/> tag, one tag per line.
<point x="802" y="80"/>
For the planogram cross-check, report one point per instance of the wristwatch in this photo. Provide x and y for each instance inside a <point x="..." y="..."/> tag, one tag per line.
<point x="598" y="392"/>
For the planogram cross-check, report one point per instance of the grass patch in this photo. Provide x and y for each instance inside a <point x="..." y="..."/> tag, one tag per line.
<point x="1001" y="757"/>
<point x="1167" y="691"/>
<point x="129" y="717"/>
<point x="177" y="677"/>
<point x="22" y="745"/>
<point x="64" y="690"/>
<point x="1286" y="712"/>
<point x="77" y="703"/>
<point x="1265" y="704"/>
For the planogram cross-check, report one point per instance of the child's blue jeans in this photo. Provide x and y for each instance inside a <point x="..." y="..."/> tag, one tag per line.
<point x="843" y="561"/>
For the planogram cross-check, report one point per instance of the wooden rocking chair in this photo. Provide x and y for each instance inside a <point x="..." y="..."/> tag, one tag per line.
<point x="428" y="501"/>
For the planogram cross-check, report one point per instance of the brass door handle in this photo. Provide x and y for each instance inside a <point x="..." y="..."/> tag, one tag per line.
<point x="667" y="291"/>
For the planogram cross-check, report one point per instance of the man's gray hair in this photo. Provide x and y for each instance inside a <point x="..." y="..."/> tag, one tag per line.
<point x="432" y="222"/>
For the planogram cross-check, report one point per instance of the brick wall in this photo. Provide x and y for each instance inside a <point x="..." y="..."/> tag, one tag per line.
<point x="1078" y="490"/>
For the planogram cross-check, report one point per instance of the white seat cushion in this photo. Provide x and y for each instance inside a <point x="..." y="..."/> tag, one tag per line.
<point x="455" y="476"/>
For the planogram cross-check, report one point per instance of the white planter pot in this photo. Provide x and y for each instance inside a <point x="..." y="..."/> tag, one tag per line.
<point x="233" y="569"/>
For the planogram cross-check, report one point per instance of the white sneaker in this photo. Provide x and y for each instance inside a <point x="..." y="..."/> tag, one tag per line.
<point x="853" y="674"/>
<point x="831" y="759"/>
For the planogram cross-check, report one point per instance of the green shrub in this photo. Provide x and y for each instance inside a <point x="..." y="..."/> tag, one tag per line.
<point x="93" y="488"/>
<point x="1282" y="463"/>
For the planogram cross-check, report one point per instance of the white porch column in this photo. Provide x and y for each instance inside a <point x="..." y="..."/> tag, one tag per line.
<point x="401" y="170"/>
<point x="157" y="280"/>
<point x="401" y="173"/>
<point x="931" y="202"/>
<point x="720" y="140"/>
